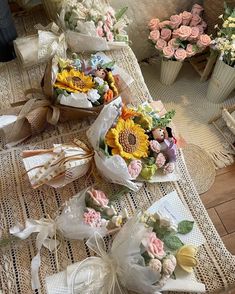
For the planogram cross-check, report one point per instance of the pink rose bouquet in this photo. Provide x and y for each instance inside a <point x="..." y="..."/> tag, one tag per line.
<point x="92" y="24"/>
<point x="180" y="37"/>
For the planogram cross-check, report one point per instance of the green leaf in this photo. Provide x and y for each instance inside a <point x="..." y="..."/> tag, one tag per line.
<point x="173" y="242"/>
<point x="109" y="64"/>
<point x="161" y="231"/>
<point x="120" y="13"/>
<point x="185" y="226"/>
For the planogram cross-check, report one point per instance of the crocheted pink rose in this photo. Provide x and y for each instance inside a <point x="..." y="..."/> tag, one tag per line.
<point x="196" y="20"/>
<point x="109" y="36"/>
<point x="190" y="50"/>
<point x="164" y="24"/>
<point x="92" y="218"/>
<point x="154" y="246"/>
<point x="180" y="54"/>
<point x="154" y="24"/>
<point x="134" y="168"/>
<point x="155" y="146"/>
<point x="169" y="168"/>
<point x="186" y="17"/>
<point x="168" y="51"/>
<point x="99" y="198"/>
<point x="175" y="21"/>
<point x="197" y="9"/>
<point x="160" y="44"/>
<point x="173" y="43"/>
<point x="154" y="35"/>
<point x="195" y="34"/>
<point x="166" y="34"/>
<point x="204" y="40"/>
<point x="100" y="31"/>
<point x="184" y="32"/>
<point x="160" y="160"/>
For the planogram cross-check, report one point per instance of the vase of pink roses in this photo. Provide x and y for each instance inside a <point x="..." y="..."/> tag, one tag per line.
<point x="178" y="38"/>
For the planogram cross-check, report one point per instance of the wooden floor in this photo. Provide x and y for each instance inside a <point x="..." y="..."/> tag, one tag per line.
<point x="220" y="204"/>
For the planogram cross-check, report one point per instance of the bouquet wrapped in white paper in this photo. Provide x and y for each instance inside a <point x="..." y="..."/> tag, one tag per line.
<point x="48" y="42"/>
<point x="150" y="158"/>
<point x="134" y="144"/>
<point x="147" y="256"/>
<point x="93" y="25"/>
<point x="85" y="214"/>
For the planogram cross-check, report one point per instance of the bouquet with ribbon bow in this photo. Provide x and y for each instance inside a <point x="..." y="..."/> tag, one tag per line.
<point x="71" y="89"/>
<point x="150" y="155"/>
<point x="49" y="41"/>
<point x="93" y="25"/>
<point x="85" y="214"/>
<point x="146" y="256"/>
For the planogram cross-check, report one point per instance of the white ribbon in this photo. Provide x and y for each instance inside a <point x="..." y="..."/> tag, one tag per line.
<point x="104" y="268"/>
<point x="46" y="230"/>
<point x="50" y="41"/>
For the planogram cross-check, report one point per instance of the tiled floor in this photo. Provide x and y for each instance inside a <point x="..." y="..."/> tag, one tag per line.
<point x="220" y="204"/>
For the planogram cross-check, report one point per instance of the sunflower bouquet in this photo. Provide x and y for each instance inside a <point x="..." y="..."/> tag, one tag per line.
<point x="134" y="144"/>
<point x="93" y="25"/>
<point x="86" y="83"/>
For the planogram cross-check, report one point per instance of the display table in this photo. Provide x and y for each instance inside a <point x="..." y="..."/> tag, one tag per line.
<point x="19" y="201"/>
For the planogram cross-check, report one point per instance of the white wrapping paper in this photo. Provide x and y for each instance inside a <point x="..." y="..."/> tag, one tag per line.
<point x="78" y="42"/>
<point x="122" y="267"/>
<point x="48" y="42"/>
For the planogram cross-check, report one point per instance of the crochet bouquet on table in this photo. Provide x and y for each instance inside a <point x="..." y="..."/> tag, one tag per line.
<point x="93" y="25"/>
<point x="72" y="89"/>
<point x="146" y="256"/>
<point x="85" y="214"/>
<point x="127" y="145"/>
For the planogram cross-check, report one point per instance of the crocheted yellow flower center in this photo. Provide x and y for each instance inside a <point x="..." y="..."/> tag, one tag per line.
<point x="128" y="140"/>
<point x="74" y="81"/>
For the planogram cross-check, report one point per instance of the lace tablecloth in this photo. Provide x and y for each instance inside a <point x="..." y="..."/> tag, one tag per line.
<point x="19" y="201"/>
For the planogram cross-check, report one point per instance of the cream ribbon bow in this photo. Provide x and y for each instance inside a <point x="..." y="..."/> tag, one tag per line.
<point x="46" y="229"/>
<point x="101" y="273"/>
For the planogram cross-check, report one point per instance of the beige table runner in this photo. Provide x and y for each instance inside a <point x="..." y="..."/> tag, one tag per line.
<point x="19" y="201"/>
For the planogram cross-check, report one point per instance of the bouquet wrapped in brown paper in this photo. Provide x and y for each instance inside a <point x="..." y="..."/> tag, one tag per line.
<point x="71" y="89"/>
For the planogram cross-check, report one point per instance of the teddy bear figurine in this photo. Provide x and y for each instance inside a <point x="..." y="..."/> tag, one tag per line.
<point x="164" y="149"/>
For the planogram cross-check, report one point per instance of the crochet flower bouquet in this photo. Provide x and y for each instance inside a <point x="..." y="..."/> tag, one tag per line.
<point x="71" y="89"/>
<point x="146" y="256"/>
<point x="93" y="25"/>
<point x="134" y="144"/>
<point x="85" y="214"/>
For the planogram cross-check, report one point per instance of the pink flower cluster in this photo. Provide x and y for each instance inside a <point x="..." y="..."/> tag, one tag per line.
<point x="105" y="28"/>
<point x="182" y="36"/>
<point x="92" y="218"/>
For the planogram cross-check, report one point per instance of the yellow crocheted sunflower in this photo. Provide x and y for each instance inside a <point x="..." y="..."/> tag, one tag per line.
<point x="128" y="140"/>
<point x="74" y="81"/>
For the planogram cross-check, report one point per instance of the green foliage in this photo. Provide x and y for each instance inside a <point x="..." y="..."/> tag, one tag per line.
<point x="185" y="226"/>
<point x="173" y="242"/>
<point x="164" y="121"/>
<point x="119" y="14"/>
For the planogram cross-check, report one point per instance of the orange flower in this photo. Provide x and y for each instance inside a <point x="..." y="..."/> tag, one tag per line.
<point x="108" y="96"/>
<point x="128" y="113"/>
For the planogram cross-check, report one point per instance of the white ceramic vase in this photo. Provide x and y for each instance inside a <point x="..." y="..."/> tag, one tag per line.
<point x="222" y="82"/>
<point x="169" y="71"/>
